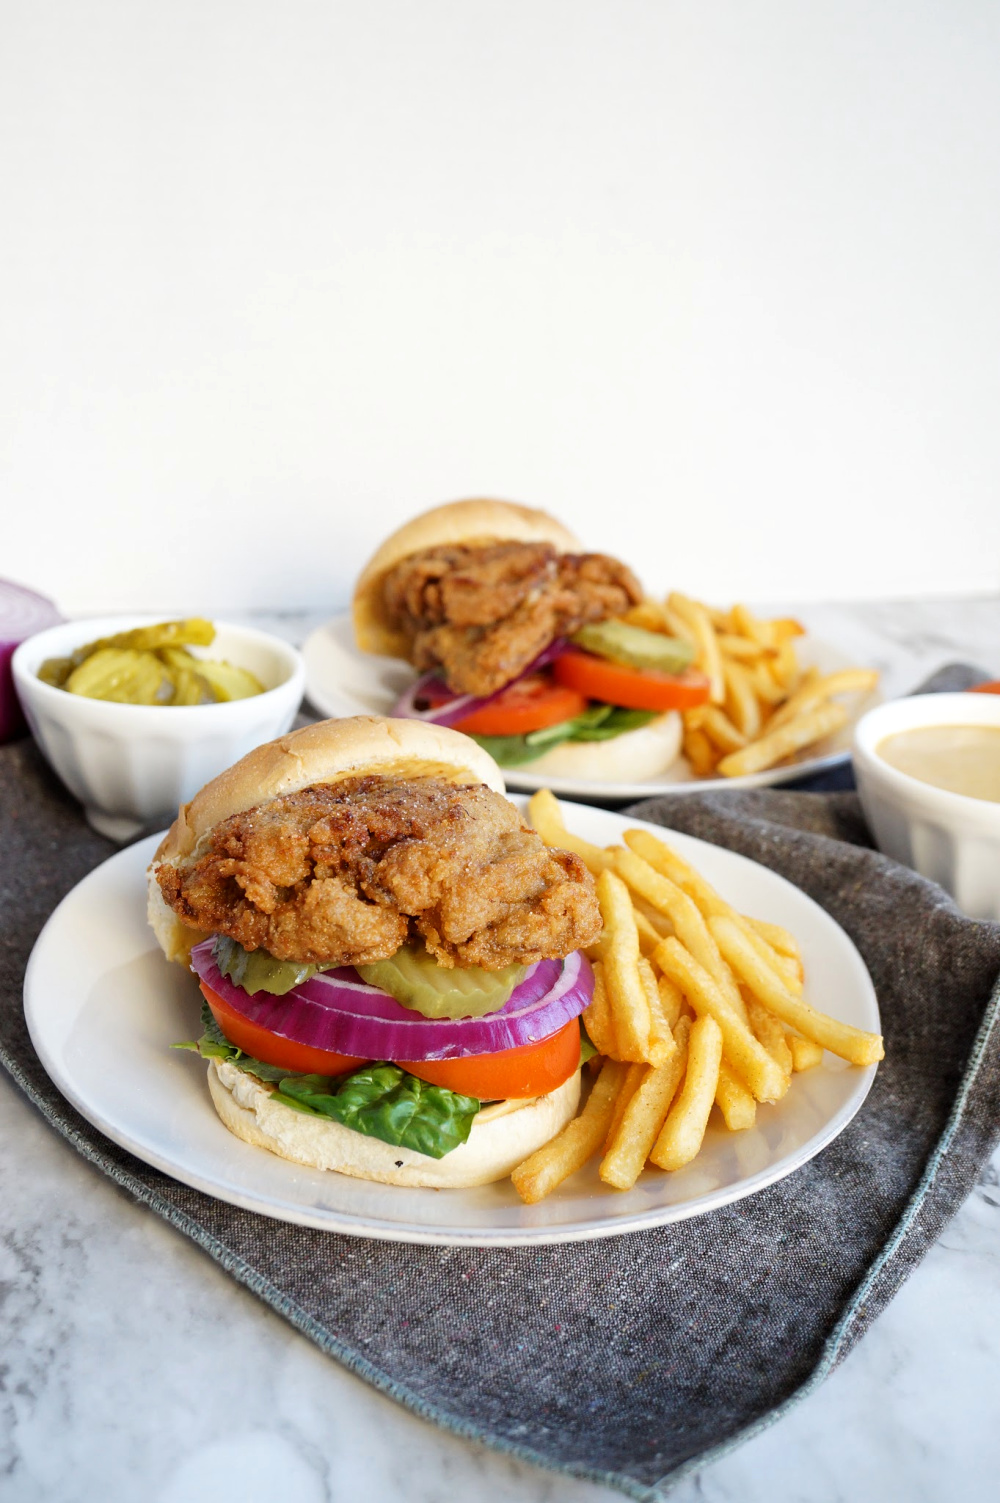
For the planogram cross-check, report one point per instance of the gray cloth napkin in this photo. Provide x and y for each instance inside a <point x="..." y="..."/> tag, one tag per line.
<point x="630" y="1360"/>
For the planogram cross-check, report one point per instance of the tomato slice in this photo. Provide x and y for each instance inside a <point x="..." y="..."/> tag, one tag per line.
<point x="270" y="1048"/>
<point x="531" y="1070"/>
<point x="530" y="704"/>
<point x="631" y="688"/>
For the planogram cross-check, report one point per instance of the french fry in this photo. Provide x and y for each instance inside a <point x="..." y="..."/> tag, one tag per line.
<point x="683" y="913"/>
<point x="540" y="1174"/>
<point x="683" y="1131"/>
<point x="744" y="1052"/>
<point x="735" y="1102"/>
<point x="671" y="1000"/>
<point x="643" y="1117"/>
<point x="785" y="667"/>
<point x="545" y="816"/>
<point x="778" y="938"/>
<point x="649" y="937"/>
<point x="678" y="626"/>
<point x="788" y="738"/>
<point x="770" y="1033"/>
<point x="700" y="752"/>
<point x="664" y="860"/>
<point x="746" y="649"/>
<point x="627" y="1089"/>
<point x="709" y="658"/>
<point x="661" y="1039"/>
<point x="765" y="685"/>
<point x="648" y="614"/>
<point x="785" y="627"/>
<point x="740" y="700"/>
<point x="810" y="696"/>
<point x="788" y="970"/>
<point x="597" y="1017"/>
<point x="720" y="730"/>
<point x="849" y="1043"/>
<point x="626" y="994"/>
<point x="748" y="625"/>
<point x="806" y="1053"/>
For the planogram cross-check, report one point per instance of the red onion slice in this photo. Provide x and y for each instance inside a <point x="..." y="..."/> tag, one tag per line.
<point x="22" y="613"/>
<point x="445" y="708"/>
<point x="337" y="1010"/>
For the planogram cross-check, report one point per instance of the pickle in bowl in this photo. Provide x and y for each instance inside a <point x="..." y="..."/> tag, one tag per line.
<point x="151" y="665"/>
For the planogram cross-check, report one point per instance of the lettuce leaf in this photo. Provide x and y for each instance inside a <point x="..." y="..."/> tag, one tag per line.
<point x="379" y="1100"/>
<point x="598" y="723"/>
<point x="383" y="1101"/>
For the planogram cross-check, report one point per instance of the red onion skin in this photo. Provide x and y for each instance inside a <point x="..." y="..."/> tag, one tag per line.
<point x="455" y="708"/>
<point x="349" y="1017"/>
<point x="23" y="612"/>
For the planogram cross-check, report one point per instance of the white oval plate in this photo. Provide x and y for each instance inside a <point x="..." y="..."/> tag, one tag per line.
<point x="343" y="680"/>
<point x="103" y="1007"/>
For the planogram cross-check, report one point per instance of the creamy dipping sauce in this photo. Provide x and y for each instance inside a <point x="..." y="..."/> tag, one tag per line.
<point x="960" y="758"/>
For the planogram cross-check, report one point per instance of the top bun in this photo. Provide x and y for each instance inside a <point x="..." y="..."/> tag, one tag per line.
<point x="327" y="752"/>
<point x="456" y="522"/>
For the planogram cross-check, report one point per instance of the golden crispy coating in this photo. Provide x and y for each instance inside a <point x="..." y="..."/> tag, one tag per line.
<point x="345" y="873"/>
<point x="483" y="612"/>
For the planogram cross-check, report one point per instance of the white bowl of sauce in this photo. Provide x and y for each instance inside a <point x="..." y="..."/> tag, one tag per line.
<point x="928" y="772"/>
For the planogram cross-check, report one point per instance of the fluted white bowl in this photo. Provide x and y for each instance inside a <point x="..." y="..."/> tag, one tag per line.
<point x="131" y="766"/>
<point x="953" y="839"/>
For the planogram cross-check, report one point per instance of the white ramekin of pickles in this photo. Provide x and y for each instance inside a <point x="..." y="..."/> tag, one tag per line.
<point x="136" y="713"/>
<point x="928" y="771"/>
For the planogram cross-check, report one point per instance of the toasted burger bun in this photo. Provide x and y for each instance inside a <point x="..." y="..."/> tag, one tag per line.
<point x="631" y="757"/>
<point x="326" y="752"/>
<point x="457" y="522"/>
<point x="502" y="1136"/>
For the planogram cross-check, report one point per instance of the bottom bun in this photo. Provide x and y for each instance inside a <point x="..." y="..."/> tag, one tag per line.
<point x="631" y="757"/>
<point x="502" y="1135"/>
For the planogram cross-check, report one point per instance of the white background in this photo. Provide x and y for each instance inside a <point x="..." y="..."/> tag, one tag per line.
<point x="715" y="282"/>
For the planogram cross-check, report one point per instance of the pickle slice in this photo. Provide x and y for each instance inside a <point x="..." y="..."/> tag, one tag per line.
<point x="195" y="631"/>
<point x="124" y="676"/>
<point x="634" y="646"/>
<point x="416" y="981"/>
<point x="56" y="671"/>
<point x="227" y="682"/>
<point x="257" y="971"/>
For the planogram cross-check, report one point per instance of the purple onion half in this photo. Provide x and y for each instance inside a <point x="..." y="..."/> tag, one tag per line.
<point x="22" y="614"/>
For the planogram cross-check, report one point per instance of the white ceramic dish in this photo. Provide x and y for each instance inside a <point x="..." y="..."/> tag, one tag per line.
<point x="946" y="836"/>
<point x="103" y="1008"/>
<point x="132" y="765"/>
<point x="342" y="680"/>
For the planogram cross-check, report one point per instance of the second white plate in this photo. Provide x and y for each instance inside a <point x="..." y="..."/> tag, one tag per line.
<point x="343" y="680"/>
<point x="104" y="1006"/>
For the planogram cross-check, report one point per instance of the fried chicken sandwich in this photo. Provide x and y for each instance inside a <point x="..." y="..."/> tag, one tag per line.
<point x="389" y="957"/>
<point x="527" y="643"/>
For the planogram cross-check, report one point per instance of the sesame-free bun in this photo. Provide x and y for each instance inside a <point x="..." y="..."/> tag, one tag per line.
<point x="456" y="522"/>
<point x="502" y="1135"/>
<point x="326" y="752"/>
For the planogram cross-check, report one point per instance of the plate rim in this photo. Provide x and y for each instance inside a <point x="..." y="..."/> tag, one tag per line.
<point x="522" y="781"/>
<point x="411" y="1233"/>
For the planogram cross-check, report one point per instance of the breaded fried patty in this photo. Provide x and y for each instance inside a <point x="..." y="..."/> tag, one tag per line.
<point x="482" y="612"/>
<point x="344" y="873"/>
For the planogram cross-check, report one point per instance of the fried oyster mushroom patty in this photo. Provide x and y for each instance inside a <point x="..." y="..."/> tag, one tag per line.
<point x="482" y="612"/>
<point x="343" y="874"/>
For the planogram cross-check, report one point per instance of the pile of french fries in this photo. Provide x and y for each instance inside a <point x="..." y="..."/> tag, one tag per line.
<point x="763" y="707"/>
<point x="694" y="1005"/>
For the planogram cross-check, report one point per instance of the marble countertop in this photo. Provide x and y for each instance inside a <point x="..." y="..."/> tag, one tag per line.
<point x="134" y="1367"/>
